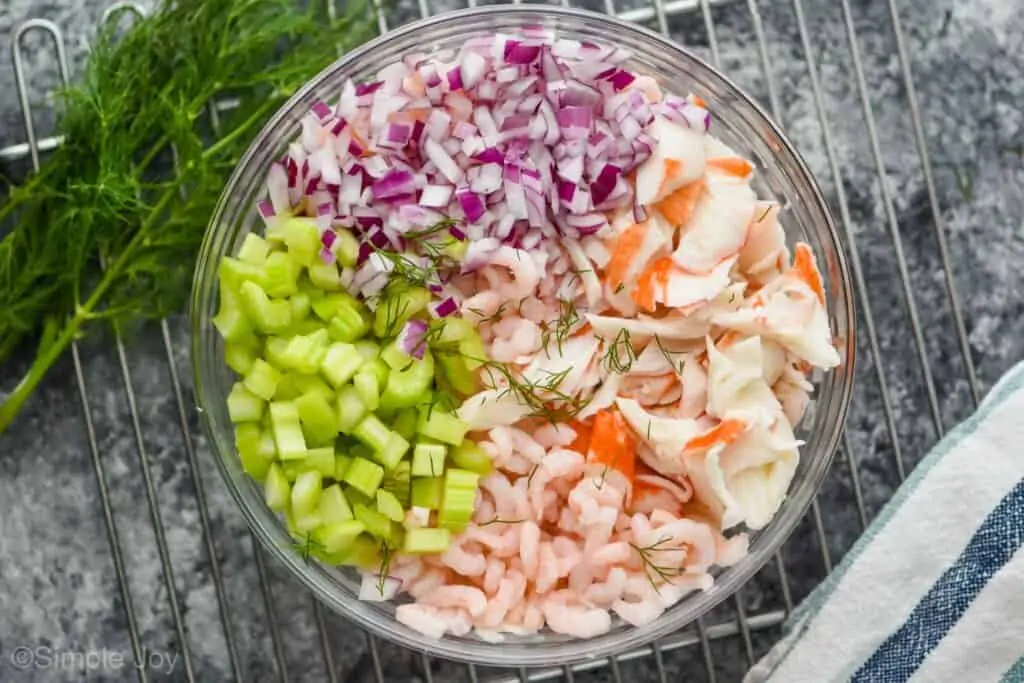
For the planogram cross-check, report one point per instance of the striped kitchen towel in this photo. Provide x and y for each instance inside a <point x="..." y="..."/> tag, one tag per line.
<point x="934" y="590"/>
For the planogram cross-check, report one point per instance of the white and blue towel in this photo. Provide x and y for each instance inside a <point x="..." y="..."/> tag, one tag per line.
<point x="934" y="590"/>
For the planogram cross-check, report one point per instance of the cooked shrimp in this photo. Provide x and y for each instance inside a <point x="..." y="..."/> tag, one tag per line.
<point x="574" y="619"/>
<point x="473" y="600"/>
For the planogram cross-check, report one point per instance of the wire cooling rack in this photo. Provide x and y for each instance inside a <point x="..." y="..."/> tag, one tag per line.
<point x="724" y="643"/>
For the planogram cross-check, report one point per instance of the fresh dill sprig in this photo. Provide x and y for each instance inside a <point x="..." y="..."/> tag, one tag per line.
<point x="440" y="226"/>
<point x="543" y="396"/>
<point x="386" y="554"/>
<point x="675" y="365"/>
<point x="498" y="520"/>
<point x="652" y="567"/>
<point x="764" y="215"/>
<point x="493" y="317"/>
<point x="568" y="318"/>
<point x="620" y="355"/>
<point x="111" y="193"/>
<point x="307" y="546"/>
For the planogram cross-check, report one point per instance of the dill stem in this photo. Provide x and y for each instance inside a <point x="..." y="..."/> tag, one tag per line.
<point x="49" y="355"/>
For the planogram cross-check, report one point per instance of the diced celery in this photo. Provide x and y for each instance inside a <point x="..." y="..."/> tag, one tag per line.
<point x="395" y="357"/>
<point x="361" y="450"/>
<point x="364" y="552"/>
<point x="248" y="439"/>
<point x="254" y="250"/>
<point x="287" y="389"/>
<point x="471" y="347"/>
<point x="233" y="273"/>
<point x="410" y="386"/>
<point x="324" y="275"/>
<point x="305" y="352"/>
<point x="397" y="481"/>
<point x="340" y="364"/>
<point x="368" y="388"/>
<point x="346" y="248"/>
<point x="459" y="498"/>
<point x="405" y="423"/>
<point x="319" y="419"/>
<point x="389" y="506"/>
<point x="243" y="405"/>
<point x="401" y="302"/>
<point x="300" y="306"/>
<point x="428" y="460"/>
<point x="377" y="524"/>
<point x="348" y="325"/>
<point x="306" y="492"/>
<point x="314" y="383"/>
<point x="368" y="349"/>
<point x="338" y="536"/>
<point x="427" y="492"/>
<point x="240" y="355"/>
<point x="351" y="409"/>
<point x="441" y="426"/>
<point x="262" y="379"/>
<point x="341" y="465"/>
<point x="276" y="490"/>
<point x="319" y="459"/>
<point x="427" y="540"/>
<point x="303" y="240"/>
<point x="355" y="496"/>
<point x="274" y="352"/>
<point x="372" y="432"/>
<point x="281" y="275"/>
<point x="288" y="437"/>
<point x="293" y="468"/>
<point x="394" y="450"/>
<point x="326" y="306"/>
<point x="267" y="447"/>
<point x="268" y="315"/>
<point x="458" y="375"/>
<point x="231" y="320"/>
<point x="364" y="476"/>
<point x="469" y="456"/>
<point x="332" y="505"/>
<point x="305" y="522"/>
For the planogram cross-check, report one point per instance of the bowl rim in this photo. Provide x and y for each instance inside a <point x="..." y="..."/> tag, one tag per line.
<point x="313" y="577"/>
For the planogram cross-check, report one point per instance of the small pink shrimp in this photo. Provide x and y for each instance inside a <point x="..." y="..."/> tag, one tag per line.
<point x="521" y="267"/>
<point x="729" y="551"/>
<point x="493" y="575"/>
<point x="529" y="547"/>
<point x="640" y="612"/>
<point x="468" y="598"/>
<point x="574" y="620"/>
<point x="516" y="340"/>
<point x="547" y="568"/>
<point x="611" y="553"/>
<point x="551" y="436"/>
<point x="606" y="592"/>
<point x="481" y="306"/>
<point x="426" y="583"/>
<point x="462" y="561"/>
<point x="426" y="620"/>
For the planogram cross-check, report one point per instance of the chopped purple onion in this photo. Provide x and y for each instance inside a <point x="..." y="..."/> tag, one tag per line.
<point x="411" y="338"/>
<point x="444" y="308"/>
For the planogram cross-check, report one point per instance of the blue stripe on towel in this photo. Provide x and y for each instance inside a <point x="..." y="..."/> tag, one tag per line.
<point x="991" y="547"/>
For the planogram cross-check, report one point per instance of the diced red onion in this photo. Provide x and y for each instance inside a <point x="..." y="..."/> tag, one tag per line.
<point x="393" y="184"/>
<point x="368" y="88"/>
<point x="444" y="308"/>
<point x="471" y="204"/>
<point x="457" y="233"/>
<point x="445" y="164"/>
<point x="604" y="183"/>
<point x="327" y="256"/>
<point x="266" y="209"/>
<point x="411" y="339"/>
<point x="436" y="195"/>
<point x="370" y="589"/>
<point x="321" y="110"/>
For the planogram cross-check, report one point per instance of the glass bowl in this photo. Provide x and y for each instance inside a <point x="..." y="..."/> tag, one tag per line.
<point x="738" y="121"/>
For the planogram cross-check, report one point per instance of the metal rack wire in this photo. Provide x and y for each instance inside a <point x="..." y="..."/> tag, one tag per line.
<point x="701" y="635"/>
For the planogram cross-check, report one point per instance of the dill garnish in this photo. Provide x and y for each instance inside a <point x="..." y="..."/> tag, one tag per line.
<point x="498" y="520"/>
<point x="620" y="354"/>
<point x="386" y="553"/>
<point x="652" y="567"/>
<point x="307" y="546"/>
<point x="110" y="192"/>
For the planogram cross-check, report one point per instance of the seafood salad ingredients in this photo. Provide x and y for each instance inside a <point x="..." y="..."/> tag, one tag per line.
<point x="520" y="340"/>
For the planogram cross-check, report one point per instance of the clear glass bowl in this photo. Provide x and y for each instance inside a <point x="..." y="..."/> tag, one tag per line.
<point x="737" y="120"/>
